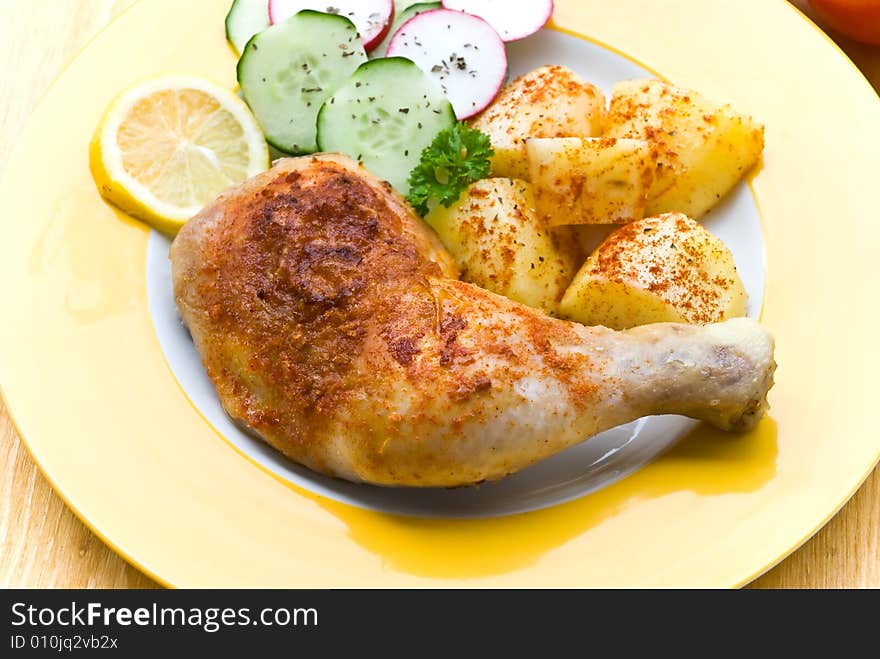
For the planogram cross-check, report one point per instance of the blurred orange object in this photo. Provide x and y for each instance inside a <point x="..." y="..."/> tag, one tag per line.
<point x="858" y="19"/>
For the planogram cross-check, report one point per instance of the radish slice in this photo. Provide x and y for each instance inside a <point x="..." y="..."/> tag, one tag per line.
<point x="401" y="17"/>
<point x="372" y="18"/>
<point x="511" y="20"/>
<point x="462" y="53"/>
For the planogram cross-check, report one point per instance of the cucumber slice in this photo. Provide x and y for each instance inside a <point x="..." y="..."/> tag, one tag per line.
<point x="245" y="19"/>
<point x="287" y="72"/>
<point x="401" y="16"/>
<point x="372" y="18"/>
<point x="386" y="115"/>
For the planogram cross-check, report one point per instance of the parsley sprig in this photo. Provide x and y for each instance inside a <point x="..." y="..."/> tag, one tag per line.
<point x="457" y="157"/>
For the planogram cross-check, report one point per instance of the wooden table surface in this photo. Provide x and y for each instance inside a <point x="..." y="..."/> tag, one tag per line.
<point x="43" y="544"/>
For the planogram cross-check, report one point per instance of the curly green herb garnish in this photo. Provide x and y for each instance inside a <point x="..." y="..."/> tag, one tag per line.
<point x="457" y="157"/>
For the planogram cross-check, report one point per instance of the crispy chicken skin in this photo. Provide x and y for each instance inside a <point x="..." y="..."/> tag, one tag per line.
<point x="332" y="323"/>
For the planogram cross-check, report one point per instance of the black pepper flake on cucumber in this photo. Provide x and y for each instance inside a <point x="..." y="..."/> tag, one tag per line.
<point x="287" y="72"/>
<point x="384" y="117"/>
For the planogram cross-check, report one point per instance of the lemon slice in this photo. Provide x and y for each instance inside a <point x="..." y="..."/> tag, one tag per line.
<point x="168" y="146"/>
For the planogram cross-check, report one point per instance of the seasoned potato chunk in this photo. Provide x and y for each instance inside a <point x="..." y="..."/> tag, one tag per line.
<point x="582" y="239"/>
<point x="703" y="148"/>
<point x="500" y="244"/>
<point x="552" y="101"/>
<point x="593" y="180"/>
<point x="660" y="269"/>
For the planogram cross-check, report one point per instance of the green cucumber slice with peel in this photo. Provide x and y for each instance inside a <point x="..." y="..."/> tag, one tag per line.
<point x="245" y="19"/>
<point x="288" y="70"/>
<point x="384" y="117"/>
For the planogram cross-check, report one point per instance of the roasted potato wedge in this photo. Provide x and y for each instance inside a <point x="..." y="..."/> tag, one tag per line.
<point x="552" y="101"/>
<point x="595" y="180"/>
<point x="498" y="242"/>
<point x="703" y="149"/>
<point x="660" y="269"/>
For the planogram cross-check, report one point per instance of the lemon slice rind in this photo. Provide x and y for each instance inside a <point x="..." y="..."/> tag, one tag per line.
<point x="118" y="186"/>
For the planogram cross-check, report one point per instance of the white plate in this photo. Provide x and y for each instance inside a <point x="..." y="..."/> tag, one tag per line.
<point x="580" y="470"/>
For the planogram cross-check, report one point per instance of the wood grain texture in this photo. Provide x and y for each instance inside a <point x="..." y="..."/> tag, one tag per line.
<point x="43" y="544"/>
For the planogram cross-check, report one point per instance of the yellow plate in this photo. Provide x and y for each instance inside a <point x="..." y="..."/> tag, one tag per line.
<point x="92" y="396"/>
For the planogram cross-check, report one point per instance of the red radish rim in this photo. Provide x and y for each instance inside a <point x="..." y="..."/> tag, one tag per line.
<point x="376" y="41"/>
<point x="551" y="7"/>
<point x="271" y="13"/>
<point x="500" y="86"/>
<point x="368" y="45"/>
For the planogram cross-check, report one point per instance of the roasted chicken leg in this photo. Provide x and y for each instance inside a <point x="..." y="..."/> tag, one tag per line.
<point x="333" y="325"/>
